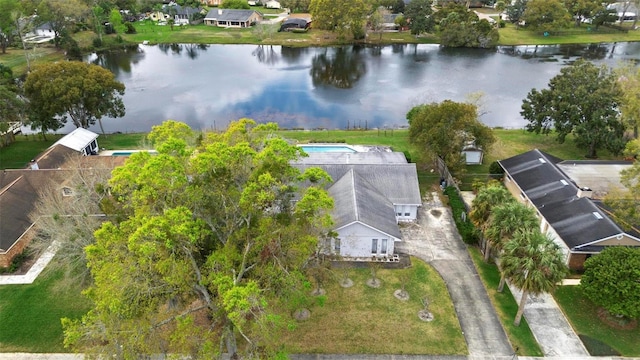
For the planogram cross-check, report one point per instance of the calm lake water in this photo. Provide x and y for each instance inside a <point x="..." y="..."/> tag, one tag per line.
<point x="207" y="86"/>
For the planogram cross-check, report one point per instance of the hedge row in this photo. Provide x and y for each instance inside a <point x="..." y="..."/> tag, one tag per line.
<point x="465" y="227"/>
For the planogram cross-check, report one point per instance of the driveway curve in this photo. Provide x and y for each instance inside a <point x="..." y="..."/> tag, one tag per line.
<point x="435" y="239"/>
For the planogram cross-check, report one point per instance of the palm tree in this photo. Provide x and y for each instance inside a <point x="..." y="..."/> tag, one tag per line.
<point x="532" y="262"/>
<point x="490" y="196"/>
<point x="504" y="221"/>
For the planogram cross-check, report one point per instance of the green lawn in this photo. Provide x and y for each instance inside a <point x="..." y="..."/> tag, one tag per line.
<point x="205" y="34"/>
<point x="30" y="314"/>
<point x="513" y="142"/>
<point x="511" y="35"/>
<point x="123" y="141"/>
<point x="364" y="320"/>
<point x="581" y="312"/>
<point x="506" y="307"/>
<point x="26" y="147"/>
<point x="16" y="60"/>
<point x="397" y="139"/>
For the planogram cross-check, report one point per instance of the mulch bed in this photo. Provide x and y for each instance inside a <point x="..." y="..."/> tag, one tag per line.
<point x="24" y="267"/>
<point x="616" y="322"/>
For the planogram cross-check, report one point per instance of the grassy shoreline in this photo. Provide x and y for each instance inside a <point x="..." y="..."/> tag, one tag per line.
<point x="203" y="34"/>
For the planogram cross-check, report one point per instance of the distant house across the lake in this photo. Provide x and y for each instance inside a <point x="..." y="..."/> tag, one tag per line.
<point x="232" y="18"/>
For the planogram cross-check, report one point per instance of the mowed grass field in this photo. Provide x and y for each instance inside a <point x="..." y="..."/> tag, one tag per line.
<point x="26" y="147"/>
<point x="582" y="314"/>
<point x="30" y="314"/>
<point x="365" y="320"/>
<point x="206" y="34"/>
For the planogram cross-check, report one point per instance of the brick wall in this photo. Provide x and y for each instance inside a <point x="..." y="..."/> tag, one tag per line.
<point x="576" y="261"/>
<point x="17" y="248"/>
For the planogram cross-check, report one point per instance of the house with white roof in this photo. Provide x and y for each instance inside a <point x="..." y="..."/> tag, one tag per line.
<point x="81" y="140"/>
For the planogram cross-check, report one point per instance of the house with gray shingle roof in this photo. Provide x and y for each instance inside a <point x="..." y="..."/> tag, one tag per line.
<point x="577" y="223"/>
<point x="232" y="18"/>
<point x="372" y="192"/>
<point x="20" y="188"/>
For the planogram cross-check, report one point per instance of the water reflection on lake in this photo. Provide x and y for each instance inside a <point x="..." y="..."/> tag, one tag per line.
<point x="338" y="87"/>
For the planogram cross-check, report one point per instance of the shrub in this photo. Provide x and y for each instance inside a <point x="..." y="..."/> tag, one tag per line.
<point x="502" y="23"/>
<point x="17" y="261"/>
<point x="465" y="227"/>
<point x="97" y="42"/>
<point x="496" y="171"/>
<point x="407" y="155"/>
<point x="130" y="29"/>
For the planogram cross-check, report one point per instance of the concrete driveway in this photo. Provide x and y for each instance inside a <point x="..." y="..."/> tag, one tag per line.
<point x="436" y="240"/>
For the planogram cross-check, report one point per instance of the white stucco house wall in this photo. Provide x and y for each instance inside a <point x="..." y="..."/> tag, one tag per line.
<point x="372" y="192"/>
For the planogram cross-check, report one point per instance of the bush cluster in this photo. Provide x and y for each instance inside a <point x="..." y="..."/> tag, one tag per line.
<point x="17" y="261"/>
<point x="465" y="227"/>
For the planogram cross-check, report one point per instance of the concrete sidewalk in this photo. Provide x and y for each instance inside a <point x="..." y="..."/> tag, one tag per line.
<point x="550" y="327"/>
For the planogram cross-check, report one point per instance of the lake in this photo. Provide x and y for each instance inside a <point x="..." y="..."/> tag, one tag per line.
<point x="207" y="86"/>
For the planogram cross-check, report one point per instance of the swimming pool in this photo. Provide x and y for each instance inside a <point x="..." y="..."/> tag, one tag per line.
<point x="327" y="148"/>
<point x="129" y="152"/>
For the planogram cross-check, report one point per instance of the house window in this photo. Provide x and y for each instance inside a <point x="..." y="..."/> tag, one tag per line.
<point x="374" y="246"/>
<point x="67" y="191"/>
<point x="336" y="246"/>
<point x="383" y="246"/>
<point x="407" y="214"/>
<point x="398" y="214"/>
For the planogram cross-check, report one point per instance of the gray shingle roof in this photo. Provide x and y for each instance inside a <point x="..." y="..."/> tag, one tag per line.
<point x="229" y="15"/>
<point x="19" y="189"/>
<point x="18" y="198"/>
<point x="396" y="182"/>
<point x="357" y="200"/>
<point x="555" y="195"/>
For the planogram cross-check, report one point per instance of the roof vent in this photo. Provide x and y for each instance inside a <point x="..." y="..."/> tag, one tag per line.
<point x="597" y="215"/>
<point x="564" y="182"/>
<point x="542" y="160"/>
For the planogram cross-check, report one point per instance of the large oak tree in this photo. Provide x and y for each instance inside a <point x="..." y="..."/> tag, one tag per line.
<point x="583" y="100"/>
<point x="340" y="16"/>
<point x="443" y="129"/>
<point x="419" y="16"/>
<point x="84" y="92"/>
<point x="546" y="15"/>
<point x="210" y="241"/>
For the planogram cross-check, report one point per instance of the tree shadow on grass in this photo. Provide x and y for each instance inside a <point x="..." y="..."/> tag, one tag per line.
<point x="597" y="348"/>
